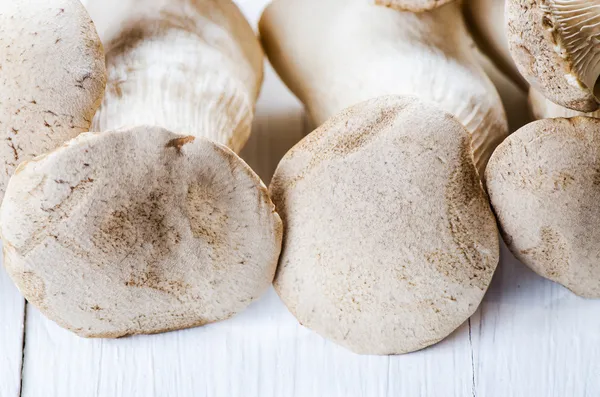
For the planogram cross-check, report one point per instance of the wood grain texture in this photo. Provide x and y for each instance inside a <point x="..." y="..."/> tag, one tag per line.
<point x="262" y="352"/>
<point x="12" y="306"/>
<point x="533" y="337"/>
<point x="530" y="337"/>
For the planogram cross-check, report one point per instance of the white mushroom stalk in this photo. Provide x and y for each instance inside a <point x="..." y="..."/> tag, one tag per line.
<point x="486" y="21"/>
<point x="336" y="53"/>
<point x="543" y="108"/>
<point x="577" y="24"/>
<point x="192" y="66"/>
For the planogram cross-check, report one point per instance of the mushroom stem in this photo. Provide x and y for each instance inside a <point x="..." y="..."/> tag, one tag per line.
<point x="52" y="78"/>
<point x="336" y="53"/>
<point x="485" y="19"/>
<point x="194" y="67"/>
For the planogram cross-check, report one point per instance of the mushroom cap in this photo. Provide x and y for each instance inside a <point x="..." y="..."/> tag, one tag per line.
<point x="543" y="108"/>
<point x="555" y="46"/>
<point x="139" y="231"/>
<point x="413" y="5"/>
<point x="52" y="77"/>
<point x="191" y="66"/>
<point x="390" y="243"/>
<point x="547" y="204"/>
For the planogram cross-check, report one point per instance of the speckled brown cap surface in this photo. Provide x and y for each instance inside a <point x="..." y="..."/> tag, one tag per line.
<point x="542" y="45"/>
<point x="543" y="108"/>
<point x="390" y="243"/>
<point x="544" y="184"/>
<point x="139" y="231"/>
<point x="413" y="5"/>
<point x="52" y="77"/>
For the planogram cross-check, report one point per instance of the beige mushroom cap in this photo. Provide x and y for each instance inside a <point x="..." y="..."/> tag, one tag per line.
<point x="555" y="46"/>
<point x="547" y="204"/>
<point x="139" y="231"/>
<point x="543" y="108"/>
<point x="390" y="242"/>
<point x="413" y="5"/>
<point x="52" y="77"/>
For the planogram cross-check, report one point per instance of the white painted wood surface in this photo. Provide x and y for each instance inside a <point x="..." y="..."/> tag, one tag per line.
<point x="529" y="338"/>
<point x="12" y="306"/>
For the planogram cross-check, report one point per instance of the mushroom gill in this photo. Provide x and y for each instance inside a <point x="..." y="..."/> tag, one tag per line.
<point x="577" y="27"/>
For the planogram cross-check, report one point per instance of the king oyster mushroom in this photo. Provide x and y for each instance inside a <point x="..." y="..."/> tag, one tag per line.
<point x="556" y="45"/>
<point x="379" y="260"/>
<point x="143" y="230"/>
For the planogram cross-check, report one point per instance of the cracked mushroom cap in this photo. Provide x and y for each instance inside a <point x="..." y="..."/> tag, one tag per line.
<point x="52" y="77"/>
<point x="413" y="5"/>
<point x="139" y="231"/>
<point x="544" y="184"/>
<point x="555" y="44"/>
<point x="390" y="242"/>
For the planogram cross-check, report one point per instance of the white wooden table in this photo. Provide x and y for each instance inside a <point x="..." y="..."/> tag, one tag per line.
<point x="529" y="338"/>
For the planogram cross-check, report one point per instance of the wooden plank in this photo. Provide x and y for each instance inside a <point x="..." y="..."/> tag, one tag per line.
<point x="12" y="306"/>
<point x="263" y="352"/>
<point x="535" y="338"/>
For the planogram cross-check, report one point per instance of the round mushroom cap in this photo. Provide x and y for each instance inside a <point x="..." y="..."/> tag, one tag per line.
<point x="413" y="5"/>
<point x="543" y="108"/>
<point x="52" y="77"/>
<point x="139" y="231"/>
<point x="390" y="243"/>
<point x="544" y="184"/>
<point x="555" y="46"/>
